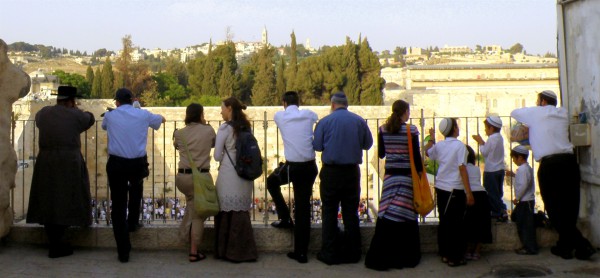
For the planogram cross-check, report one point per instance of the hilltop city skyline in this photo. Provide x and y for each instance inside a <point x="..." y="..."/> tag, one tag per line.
<point x="181" y="23"/>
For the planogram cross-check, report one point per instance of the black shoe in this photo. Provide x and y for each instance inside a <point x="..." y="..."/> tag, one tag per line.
<point x="585" y="253"/>
<point x="301" y="258"/>
<point x="326" y="261"/>
<point x="60" y="252"/>
<point x="284" y="224"/>
<point x="124" y="257"/>
<point x="557" y="251"/>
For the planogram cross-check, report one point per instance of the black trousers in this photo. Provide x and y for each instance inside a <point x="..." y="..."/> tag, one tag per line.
<point x="522" y="215"/>
<point x="302" y="175"/>
<point x="125" y="179"/>
<point x="559" y="181"/>
<point x="451" y="206"/>
<point x="340" y="185"/>
<point x="55" y="235"/>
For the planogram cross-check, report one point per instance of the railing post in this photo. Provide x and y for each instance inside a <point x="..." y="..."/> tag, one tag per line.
<point x="265" y="126"/>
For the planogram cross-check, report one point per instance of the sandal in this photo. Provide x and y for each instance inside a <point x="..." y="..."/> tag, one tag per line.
<point x="445" y="260"/>
<point x="197" y="257"/>
<point x="456" y="263"/>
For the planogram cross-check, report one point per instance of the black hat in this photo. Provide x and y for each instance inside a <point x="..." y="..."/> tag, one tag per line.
<point x="123" y="94"/>
<point x="66" y="92"/>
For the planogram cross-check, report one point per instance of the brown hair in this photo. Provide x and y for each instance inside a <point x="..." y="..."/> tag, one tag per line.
<point x="193" y="113"/>
<point x="394" y="121"/>
<point x="239" y="120"/>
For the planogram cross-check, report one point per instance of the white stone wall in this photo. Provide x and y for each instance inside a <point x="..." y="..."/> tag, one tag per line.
<point x="579" y="57"/>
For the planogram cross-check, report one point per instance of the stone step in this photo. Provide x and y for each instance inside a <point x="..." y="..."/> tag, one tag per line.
<point x="268" y="239"/>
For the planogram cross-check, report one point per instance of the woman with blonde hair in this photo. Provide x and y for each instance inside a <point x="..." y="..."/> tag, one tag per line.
<point x="197" y="138"/>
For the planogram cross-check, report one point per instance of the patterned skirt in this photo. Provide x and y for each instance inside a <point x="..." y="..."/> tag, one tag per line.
<point x="396" y="203"/>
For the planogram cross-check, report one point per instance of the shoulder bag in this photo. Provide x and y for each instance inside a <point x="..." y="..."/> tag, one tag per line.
<point x="206" y="201"/>
<point x="422" y="198"/>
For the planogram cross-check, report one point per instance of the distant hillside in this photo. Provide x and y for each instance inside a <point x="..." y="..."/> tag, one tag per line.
<point x="66" y="64"/>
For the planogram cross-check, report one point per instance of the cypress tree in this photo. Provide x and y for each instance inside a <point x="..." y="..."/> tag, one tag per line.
<point x="97" y="84"/>
<point x="292" y="68"/>
<point x="209" y="82"/>
<point x="226" y="83"/>
<point x="280" y="81"/>
<point x="263" y="91"/>
<point x="370" y="76"/>
<point x="89" y="75"/>
<point x="351" y="72"/>
<point x="107" y="80"/>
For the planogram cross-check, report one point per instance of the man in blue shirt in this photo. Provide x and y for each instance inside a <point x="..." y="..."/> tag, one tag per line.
<point x="341" y="136"/>
<point x="127" y="165"/>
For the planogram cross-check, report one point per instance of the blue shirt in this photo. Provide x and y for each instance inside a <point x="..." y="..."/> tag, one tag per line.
<point x="127" y="129"/>
<point x="342" y="136"/>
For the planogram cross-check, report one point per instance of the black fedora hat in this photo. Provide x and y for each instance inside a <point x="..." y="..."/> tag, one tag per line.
<point x="66" y="92"/>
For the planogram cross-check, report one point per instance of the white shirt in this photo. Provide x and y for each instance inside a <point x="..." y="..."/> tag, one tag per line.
<point x="548" y="129"/>
<point x="524" y="186"/>
<point x="450" y="154"/>
<point x="493" y="152"/>
<point x="296" y="128"/>
<point x="474" y="177"/>
<point x="127" y="129"/>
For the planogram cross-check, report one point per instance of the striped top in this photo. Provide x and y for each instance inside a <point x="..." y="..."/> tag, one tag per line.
<point x="396" y="201"/>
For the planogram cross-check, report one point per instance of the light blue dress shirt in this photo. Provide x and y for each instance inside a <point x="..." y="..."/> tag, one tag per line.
<point x="127" y="129"/>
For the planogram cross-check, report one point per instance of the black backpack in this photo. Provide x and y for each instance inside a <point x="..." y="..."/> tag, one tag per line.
<point x="248" y="160"/>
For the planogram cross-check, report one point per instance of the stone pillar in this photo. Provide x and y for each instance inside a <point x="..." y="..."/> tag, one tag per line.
<point x="14" y="84"/>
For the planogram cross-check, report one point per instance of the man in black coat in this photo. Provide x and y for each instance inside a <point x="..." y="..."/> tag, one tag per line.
<point x="60" y="187"/>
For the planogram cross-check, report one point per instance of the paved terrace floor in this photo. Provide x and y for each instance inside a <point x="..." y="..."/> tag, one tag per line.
<point x="26" y="260"/>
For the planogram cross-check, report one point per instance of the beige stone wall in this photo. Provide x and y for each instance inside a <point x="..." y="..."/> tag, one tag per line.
<point x="470" y="104"/>
<point x="160" y="146"/>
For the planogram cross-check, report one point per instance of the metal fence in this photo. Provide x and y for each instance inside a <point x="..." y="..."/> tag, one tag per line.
<point x="159" y="186"/>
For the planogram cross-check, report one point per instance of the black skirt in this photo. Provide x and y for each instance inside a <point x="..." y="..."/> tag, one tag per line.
<point x="478" y="220"/>
<point x="394" y="245"/>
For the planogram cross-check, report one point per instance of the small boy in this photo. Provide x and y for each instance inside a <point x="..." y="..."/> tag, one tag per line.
<point x="493" y="172"/>
<point x="523" y="214"/>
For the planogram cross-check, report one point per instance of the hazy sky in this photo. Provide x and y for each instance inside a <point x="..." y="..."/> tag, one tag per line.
<point x="88" y="25"/>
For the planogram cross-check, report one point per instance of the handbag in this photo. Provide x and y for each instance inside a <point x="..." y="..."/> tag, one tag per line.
<point x="422" y="198"/>
<point x="206" y="200"/>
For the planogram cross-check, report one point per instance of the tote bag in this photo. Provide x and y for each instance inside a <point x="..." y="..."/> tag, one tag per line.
<point x="422" y="198"/>
<point x="206" y="202"/>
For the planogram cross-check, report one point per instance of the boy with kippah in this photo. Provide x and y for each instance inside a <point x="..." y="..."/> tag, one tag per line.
<point x="493" y="173"/>
<point x="524" y="201"/>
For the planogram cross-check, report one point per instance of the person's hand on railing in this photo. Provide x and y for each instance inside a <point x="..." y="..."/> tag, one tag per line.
<point x="478" y="139"/>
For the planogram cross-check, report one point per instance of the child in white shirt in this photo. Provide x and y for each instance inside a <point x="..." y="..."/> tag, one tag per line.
<point x="477" y="218"/>
<point x="523" y="214"/>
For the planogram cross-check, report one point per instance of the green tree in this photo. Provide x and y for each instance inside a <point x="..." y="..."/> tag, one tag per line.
<point x="351" y="72"/>
<point x="263" y="91"/>
<point x="280" y="81"/>
<point x="371" y="82"/>
<point x="108" y="79"/>
<point x="209" y="82"/>
<point x="124" y="61"/>
<point x="75" y="80"/>
<point x="176" y="68"/>
<point x="97" y="84"/>
<point x="226" y="83"/>
<point x="516" y="48"/>
<point x="196" y="75"/>
<point x="89" y="75"/>
<point x="292" y="68"/>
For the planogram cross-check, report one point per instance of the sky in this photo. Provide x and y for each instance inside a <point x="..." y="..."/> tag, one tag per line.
<point x="88" y="25"/>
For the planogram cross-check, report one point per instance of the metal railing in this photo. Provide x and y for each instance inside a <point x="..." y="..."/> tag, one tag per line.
<point x="159" y="187"/>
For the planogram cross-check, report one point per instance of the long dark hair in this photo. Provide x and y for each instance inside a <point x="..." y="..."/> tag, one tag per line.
<point x="239" y="120"/>
<point x="394" y="121"/>
<point x="193" y="113"/>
